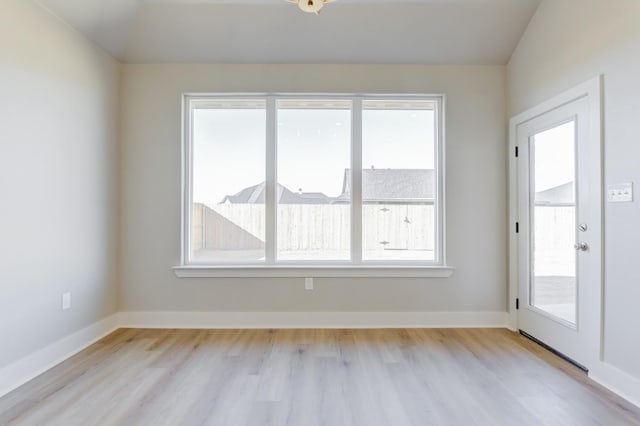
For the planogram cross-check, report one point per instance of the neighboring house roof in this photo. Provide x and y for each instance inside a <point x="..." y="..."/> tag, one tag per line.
<point x="378" y="186"/>
<point x="256" y="195"/>
<point x="392" y="185"/>
<point x="558" y="195"/>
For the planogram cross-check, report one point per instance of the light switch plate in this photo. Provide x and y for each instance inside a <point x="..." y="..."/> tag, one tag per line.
<point x="620" y="193"/>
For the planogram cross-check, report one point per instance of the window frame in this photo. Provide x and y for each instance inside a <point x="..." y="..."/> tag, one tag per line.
<point x="356" y="266"/>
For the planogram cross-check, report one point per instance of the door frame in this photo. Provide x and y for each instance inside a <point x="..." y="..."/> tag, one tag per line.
<point x="592" y="91"/>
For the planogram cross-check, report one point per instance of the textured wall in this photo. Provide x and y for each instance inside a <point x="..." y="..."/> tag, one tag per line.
<point x="475" y="176"/>
<point x="58" y="149"/>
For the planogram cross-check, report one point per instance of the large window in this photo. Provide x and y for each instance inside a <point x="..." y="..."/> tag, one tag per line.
<point x="313" y="180"/>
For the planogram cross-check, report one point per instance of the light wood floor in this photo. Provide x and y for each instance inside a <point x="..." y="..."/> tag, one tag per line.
<point x="314" y="377"/>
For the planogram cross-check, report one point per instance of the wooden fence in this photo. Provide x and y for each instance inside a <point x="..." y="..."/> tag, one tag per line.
<point x="313" y="227"/>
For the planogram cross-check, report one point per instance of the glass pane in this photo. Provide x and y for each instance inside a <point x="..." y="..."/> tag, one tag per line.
<point x="398" y="180"/>
<point x="228" y="211"/>
<point x="314" y="149"/>
<point x="553" y="282"/>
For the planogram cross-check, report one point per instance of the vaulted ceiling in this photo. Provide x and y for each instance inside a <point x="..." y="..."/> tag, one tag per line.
<point x="275" y="31"/>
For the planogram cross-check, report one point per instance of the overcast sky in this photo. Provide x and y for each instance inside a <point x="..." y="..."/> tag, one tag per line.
<point x="313" y="148"/>
<point x="554" y="157"/>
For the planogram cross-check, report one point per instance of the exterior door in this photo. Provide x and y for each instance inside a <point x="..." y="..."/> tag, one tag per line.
<point x="558" y="229"/>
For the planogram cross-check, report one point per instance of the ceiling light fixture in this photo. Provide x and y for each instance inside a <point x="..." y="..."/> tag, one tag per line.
<point x="310" y="6"/>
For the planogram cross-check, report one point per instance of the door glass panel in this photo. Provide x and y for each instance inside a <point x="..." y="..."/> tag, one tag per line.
<point x="553" y="283"/>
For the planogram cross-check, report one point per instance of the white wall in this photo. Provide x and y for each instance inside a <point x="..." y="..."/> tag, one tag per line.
<point x="58" y="111"/>
<point x="150" y="190"/>
<point x="566" y="43"/>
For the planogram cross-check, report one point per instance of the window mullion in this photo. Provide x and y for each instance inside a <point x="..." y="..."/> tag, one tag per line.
<point x="187" y="181"/>
<point x="356" y="182"/>
<point x="439" y="185"/>
<point x="271" y="183"/>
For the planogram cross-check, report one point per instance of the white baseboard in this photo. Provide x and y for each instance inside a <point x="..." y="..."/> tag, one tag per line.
<point x="617" y="381"/>
<point x="313" y="319"/>
<point x="27" y="368"/>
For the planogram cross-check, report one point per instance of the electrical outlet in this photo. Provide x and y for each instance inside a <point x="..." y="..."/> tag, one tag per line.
<point x="66" y="301"/>
<point x="308" y="283"/>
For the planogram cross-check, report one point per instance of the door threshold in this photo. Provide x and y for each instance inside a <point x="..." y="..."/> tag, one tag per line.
<point x="554" y="351"/>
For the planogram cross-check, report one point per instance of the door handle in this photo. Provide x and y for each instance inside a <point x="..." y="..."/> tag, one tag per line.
<point x="581" y="246"/>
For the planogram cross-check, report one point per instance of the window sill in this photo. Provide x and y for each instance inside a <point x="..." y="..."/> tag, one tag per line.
<point x="313" y="271"/>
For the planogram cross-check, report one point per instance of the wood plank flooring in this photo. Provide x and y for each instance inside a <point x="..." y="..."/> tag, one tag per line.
<point x="315" y="377"/>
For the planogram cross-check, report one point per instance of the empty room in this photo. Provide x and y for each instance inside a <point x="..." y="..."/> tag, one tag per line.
<point x="319" y="212"/>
